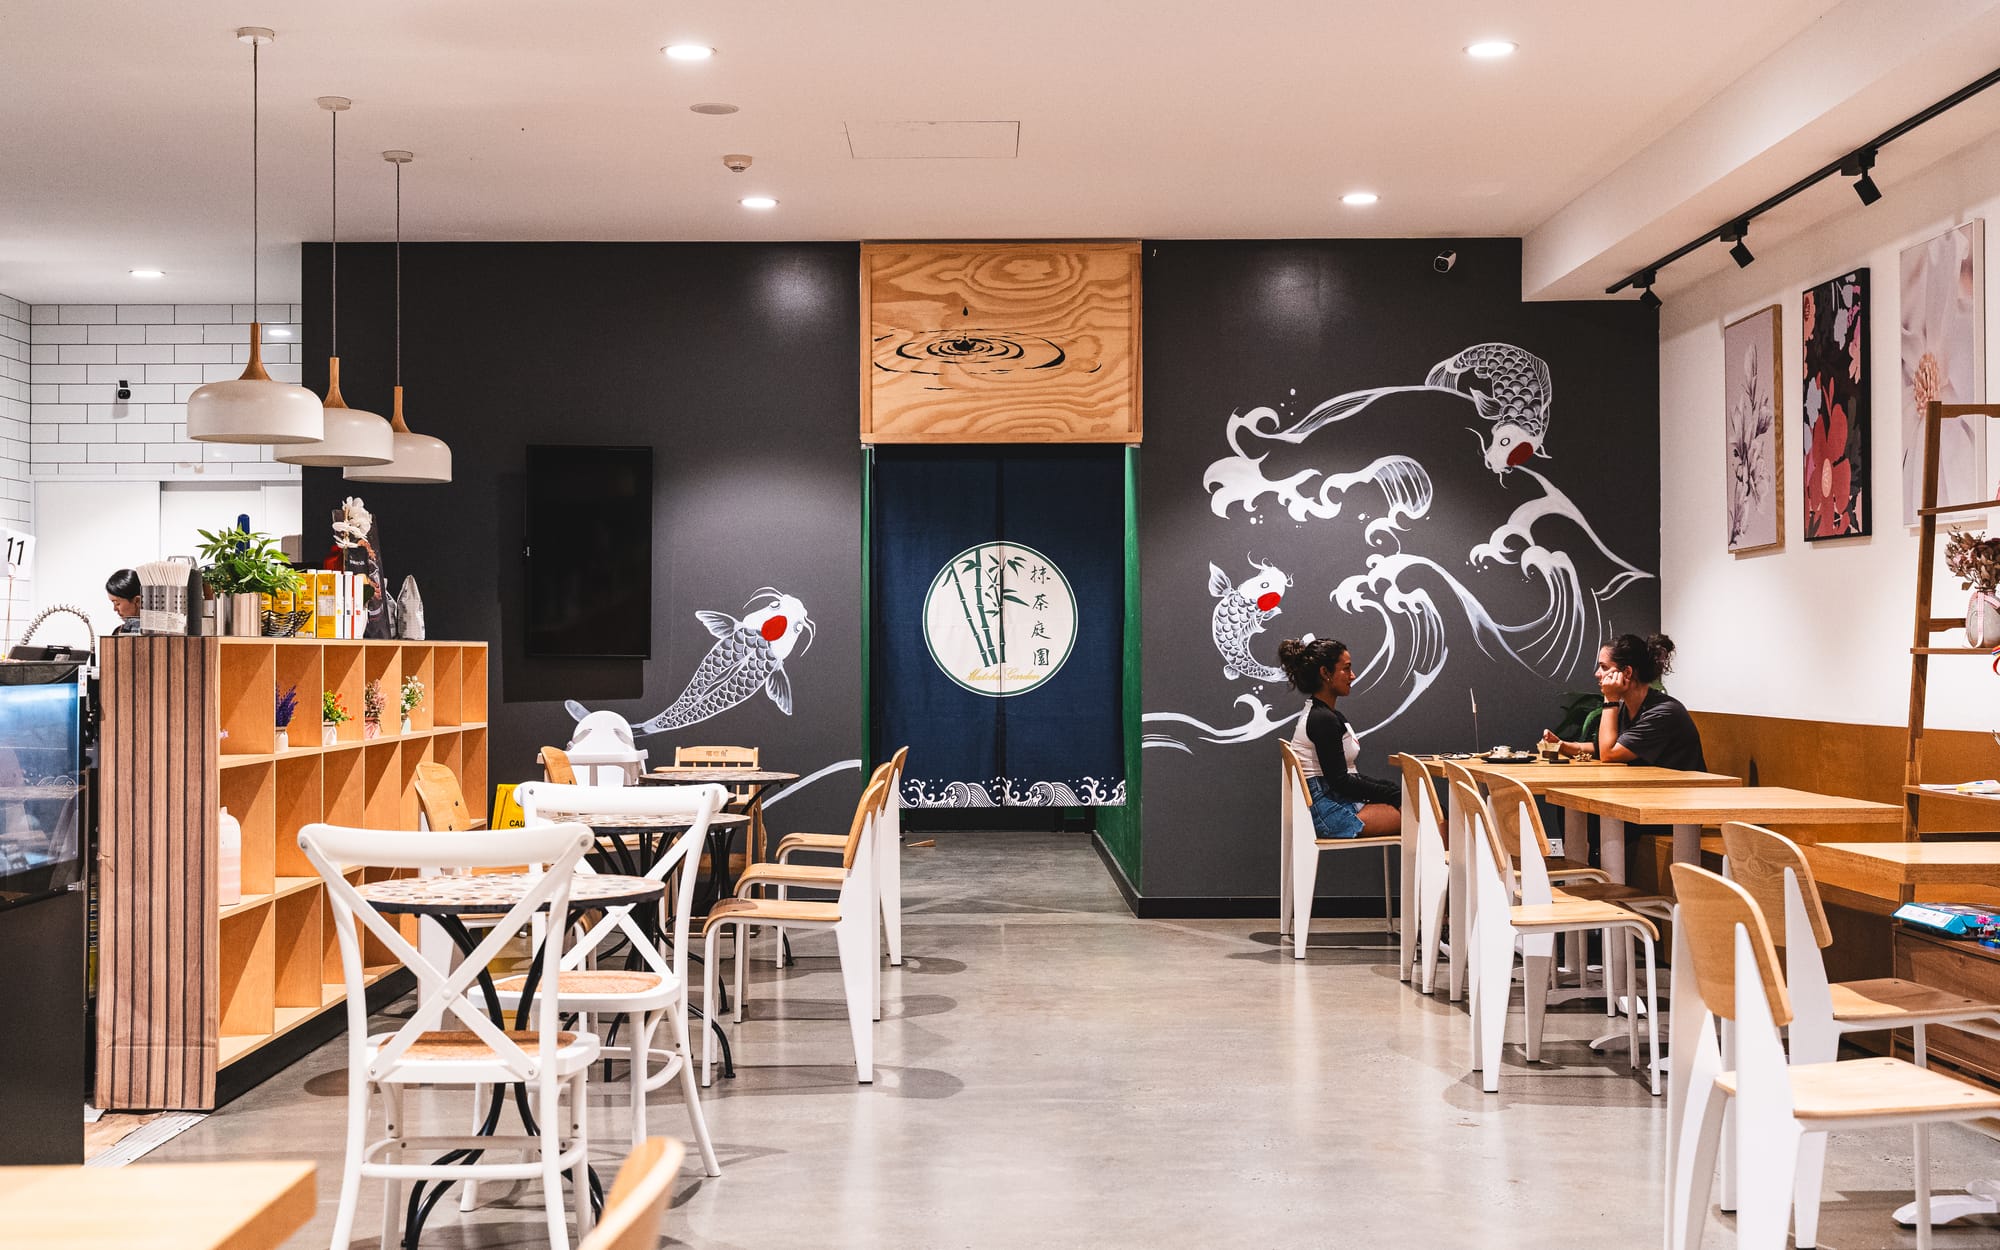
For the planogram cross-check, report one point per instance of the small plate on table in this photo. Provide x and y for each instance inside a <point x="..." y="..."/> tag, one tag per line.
<point x="1521" y="757"/>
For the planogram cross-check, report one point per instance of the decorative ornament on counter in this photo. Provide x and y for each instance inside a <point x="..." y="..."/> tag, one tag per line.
<point x="354" y="534"/>
<point x="410" y="610"/>
<point x="1974" y="559"/>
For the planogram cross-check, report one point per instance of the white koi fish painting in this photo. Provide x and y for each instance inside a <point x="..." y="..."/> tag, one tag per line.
<point x="1240" y="612"/>
<point x="1422" y="600"/>
<point x="748" y="656"/>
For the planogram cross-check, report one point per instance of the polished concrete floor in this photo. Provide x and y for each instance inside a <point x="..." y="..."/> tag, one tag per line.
<point x="1053" y="1073"/>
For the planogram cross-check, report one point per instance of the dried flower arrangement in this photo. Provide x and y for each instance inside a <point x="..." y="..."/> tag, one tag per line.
<point x="413" y="694"/>
<point x="1974" y="559"/>
<point x="288" y="705"/>
<point x="371" y="701"/>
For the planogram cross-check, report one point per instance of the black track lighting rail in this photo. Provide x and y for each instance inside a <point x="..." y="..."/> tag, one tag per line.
<point x="1854" y="164"/>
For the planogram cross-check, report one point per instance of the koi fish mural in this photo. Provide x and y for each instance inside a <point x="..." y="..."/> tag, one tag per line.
<point x="748" y="656"/>
<point x="1241" y="611"/>
<point x="1515" y="397"/>
<point x="1422" y="600"/>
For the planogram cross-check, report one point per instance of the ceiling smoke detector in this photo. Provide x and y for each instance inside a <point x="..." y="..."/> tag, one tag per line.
<point x="716" y="109"/>
<point x="737" y="162"/>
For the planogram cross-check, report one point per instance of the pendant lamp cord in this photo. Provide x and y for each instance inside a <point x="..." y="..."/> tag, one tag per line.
<point x="253" y="181"/>
<point x="399" y="274"/>
<point x="333" y="160"/>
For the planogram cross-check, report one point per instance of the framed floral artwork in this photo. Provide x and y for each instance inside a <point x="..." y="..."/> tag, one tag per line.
<point x="1943" y="324"/>
<point x="1835" y="364"/>
<point x="1753" y="379"/>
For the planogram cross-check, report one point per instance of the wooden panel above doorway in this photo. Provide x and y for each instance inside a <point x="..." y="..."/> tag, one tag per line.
<point x="1000" y="343"/>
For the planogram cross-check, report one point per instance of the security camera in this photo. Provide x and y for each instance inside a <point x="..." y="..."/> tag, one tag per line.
<point x="737" y="162"/>
<point x="124" y="391"/>
<point x="1443" y="261"/>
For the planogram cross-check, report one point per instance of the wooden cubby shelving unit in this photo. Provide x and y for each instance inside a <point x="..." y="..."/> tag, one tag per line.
<point x="188" y="987"/>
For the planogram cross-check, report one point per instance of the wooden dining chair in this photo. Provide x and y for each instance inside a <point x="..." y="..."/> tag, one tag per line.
<point x="1433" y="874"/>
<point x="850" y="917"/>
<point x="1530" y="919"/>
<point x="638" y="1200"/>
<point x="1774" y="872"/>
<point x="889" y="859"/>
<point x="1721" y="939"/>
<point x="1299" y="849"/>
<point x="556" y="766"/>
<point x="442" y="801"/>
<point x="741" y="798"/>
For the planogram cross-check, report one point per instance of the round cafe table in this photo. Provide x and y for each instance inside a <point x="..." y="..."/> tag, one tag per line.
<point x="755" y="780"/>
<point x="447" y="901"/>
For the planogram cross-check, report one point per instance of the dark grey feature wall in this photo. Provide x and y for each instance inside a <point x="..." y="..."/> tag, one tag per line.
<point x="1481" y="581"/>
<point x="735" y="363"/>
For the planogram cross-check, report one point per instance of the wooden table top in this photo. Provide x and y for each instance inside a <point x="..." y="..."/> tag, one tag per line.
<point x="1712" y="805"/>
<point x="695" y="774"/>
<point x="1541" y="778"/>
<point x="631" y="820"/>
<point x="498" y="891"/>
<point x="1912" y="863"/>
<point x="157" y="1206"/>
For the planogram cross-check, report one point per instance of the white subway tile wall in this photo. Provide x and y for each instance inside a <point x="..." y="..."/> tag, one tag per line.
<point x="16" y="496"/>
<point x="73" y="360"/>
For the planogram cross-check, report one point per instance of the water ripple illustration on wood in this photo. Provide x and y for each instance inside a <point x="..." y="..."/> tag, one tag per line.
<point x="1000" y="343"/>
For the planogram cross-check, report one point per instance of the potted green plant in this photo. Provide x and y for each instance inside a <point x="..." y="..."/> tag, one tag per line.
<point x="288" y="706"/>
<point x="1974" y="559"/>
<point x="412" y="696"/>
<point x="333" y="714"/>
<point x="240" y="568"/>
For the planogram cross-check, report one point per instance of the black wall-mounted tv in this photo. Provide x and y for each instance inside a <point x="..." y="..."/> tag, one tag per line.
<point x="590" y="551"/>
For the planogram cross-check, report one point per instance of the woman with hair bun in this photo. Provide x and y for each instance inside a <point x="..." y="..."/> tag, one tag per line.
<point x="1639" y="724"/>
<point x="1345" y="804"/>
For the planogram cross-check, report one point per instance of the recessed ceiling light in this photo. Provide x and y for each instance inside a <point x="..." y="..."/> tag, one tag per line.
<point x="1359" y="198"/>
<point x="712" y="110"/>
<point x="1491" y="49"/>
<point x="688" y="51"/>
<point x="758" y="201"/>
<point x="148" y="273"/>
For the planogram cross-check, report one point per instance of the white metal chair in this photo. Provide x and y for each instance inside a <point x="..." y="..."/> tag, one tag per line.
<point x="1433" y="867"/>
<point x="888" y="860"/>
<point x="778" y="877"/>
<point x="1300" y="848"/>
<point x="851" y="917"/>
<point x="551" y="1062"/>
<point x="1774" y="872"/>
<point x="1501" y="922"/>
<point x="1721" y="939"/>
<point x="644" y="997"/>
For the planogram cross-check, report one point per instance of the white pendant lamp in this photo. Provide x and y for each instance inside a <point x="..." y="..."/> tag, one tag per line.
<point x="253" y="408"/>
<point x="419" y="458"/>
<point x="353" y="436"/>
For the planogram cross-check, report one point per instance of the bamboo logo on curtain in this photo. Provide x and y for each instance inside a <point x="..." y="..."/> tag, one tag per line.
<point x="1000" y="619"/>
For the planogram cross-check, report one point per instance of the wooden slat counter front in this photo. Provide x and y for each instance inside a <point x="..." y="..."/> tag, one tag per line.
<point x="160" y="1206"/>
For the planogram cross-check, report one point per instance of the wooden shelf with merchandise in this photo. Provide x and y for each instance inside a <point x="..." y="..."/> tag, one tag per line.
<point x="188" y="987"/>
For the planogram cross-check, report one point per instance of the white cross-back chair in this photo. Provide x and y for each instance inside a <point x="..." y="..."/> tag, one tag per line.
<point x="1531" y="921"/>
<point x="850" y="917"/>
<point x="1299" y="849"/>
<point x="657" y="992"/>
<point x="1722" y="938"/>
<point x="551" y="1062"/>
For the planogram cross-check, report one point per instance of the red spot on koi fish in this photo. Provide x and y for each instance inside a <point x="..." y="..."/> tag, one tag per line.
<point x="1268" y="600"/>
<point x="774" y="629"/>
<point x="1519" y="456"/>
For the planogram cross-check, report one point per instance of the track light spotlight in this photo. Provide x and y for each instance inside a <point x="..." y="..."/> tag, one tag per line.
<point x="1644" y="282"/>
<point x="1856" y="166"/>
<point x="1649" y="299"/>
<point x="1734" y="233"/>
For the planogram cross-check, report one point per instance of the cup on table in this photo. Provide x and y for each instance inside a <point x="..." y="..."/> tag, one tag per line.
<point x="1549" y="752"/>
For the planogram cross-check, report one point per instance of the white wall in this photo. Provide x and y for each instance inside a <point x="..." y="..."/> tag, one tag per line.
<point x="15" y="495"/>
<point x="164" y="351"/>
<point x="1816" y="631"/>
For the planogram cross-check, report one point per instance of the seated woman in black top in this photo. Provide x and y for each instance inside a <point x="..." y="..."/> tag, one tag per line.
<point x="1345" y="804"/>
<point x="1639" y="725"/>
